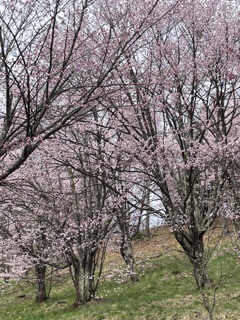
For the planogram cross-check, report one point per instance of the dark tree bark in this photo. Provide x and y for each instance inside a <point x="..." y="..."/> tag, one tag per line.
<point x="40" y="272"/>
<point x="193" y="246"/>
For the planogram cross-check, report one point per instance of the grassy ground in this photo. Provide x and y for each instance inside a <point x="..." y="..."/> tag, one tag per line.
<point x="166" y="290"/>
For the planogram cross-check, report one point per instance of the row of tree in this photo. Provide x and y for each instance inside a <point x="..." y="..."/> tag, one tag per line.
<point x="113" y="109"/>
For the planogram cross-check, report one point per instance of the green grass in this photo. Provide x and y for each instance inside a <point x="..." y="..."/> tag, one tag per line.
<point x="166" y="290"/>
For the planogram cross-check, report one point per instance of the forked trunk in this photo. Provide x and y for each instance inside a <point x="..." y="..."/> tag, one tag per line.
<point x="193" y="246"/>
<point x="83" y="279"/>
<point x="83" y="292"/>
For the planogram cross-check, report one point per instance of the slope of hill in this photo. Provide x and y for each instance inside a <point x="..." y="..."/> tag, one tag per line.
<point x="165" y="290"/>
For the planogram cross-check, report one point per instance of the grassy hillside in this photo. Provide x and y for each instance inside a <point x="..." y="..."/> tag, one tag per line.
<point x="166" y="289"/>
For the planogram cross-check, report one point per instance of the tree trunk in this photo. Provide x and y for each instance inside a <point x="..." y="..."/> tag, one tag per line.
<point x="236" y="225"/>
<point x="127" y="254"/>
<point x="200" y="272"/>
<point x="147" y="226"/>
<point x="225" y="227"/>
<point x="147" y="220"/>
<point x="6" y="268"/>
<point x="40" y="272"/>
<point x="83" y="290"/>
<point x="82" y="293"/>
<point x="193" y="246"/>
<point x="83" y="281"/>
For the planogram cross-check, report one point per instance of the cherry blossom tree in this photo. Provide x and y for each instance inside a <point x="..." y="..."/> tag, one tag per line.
<point x="29" y="236"/>
<point x="178" y="112"/>
<point x="63" y="216"/>
<point x="54" y="222"/>
<point x="55" y="58"/>
<point x="133" y="99"/>
<point x="94" y="154"/>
